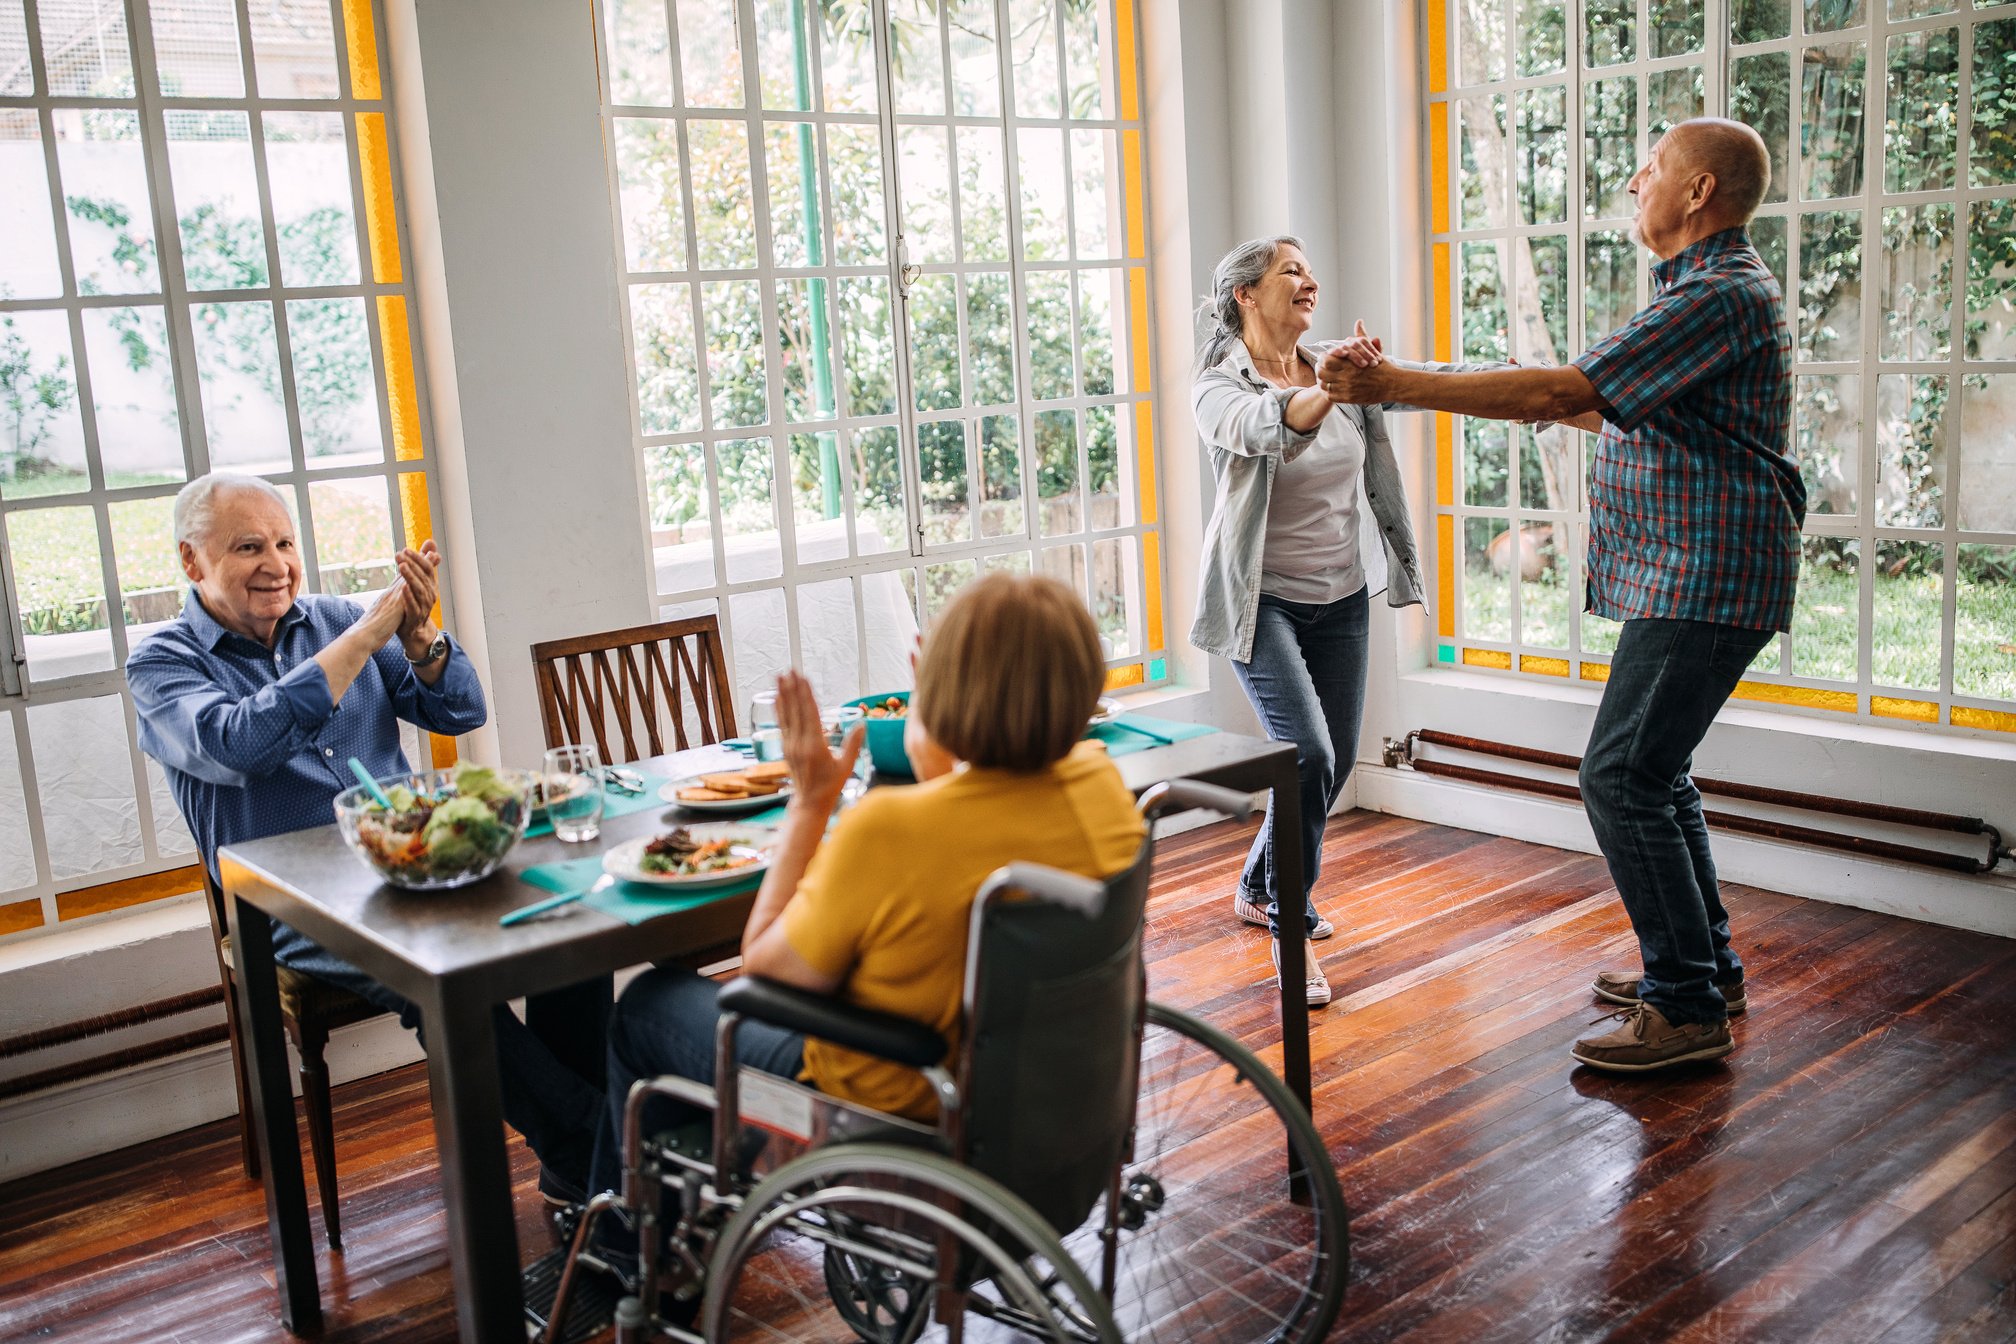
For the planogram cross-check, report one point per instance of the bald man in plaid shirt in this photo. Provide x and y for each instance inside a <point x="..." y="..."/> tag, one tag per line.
<point x="1694" y="515"/>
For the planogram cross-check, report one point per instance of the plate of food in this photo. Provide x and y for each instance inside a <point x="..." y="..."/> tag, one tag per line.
<point x="689" y="856"/>
<point x="1109" y="710"/>
<point x="764" y="784"/>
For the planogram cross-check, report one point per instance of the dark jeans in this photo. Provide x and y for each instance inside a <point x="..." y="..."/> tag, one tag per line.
<point x="664" y="1023"/>
<point x="1667" y="680"/>
<point x="552" y="1105"/>
<point x="1306" y="680"/>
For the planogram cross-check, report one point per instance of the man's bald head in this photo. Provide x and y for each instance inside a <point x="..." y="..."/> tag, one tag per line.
<point x="1733" y="154"/>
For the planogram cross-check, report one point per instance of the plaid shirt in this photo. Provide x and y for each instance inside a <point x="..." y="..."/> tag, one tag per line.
<point x="1695" y="503"/>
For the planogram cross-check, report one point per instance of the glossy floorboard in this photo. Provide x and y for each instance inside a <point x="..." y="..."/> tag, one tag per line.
<point x="1848" y="1175"/>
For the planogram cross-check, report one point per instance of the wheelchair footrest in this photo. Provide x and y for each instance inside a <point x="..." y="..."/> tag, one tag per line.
<point x="591" y="1306"/>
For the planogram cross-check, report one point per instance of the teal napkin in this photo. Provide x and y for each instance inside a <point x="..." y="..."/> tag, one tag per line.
<point x="617" y="804"/>
<point x="631" y="902"/>
<point x="1120" y="742"/>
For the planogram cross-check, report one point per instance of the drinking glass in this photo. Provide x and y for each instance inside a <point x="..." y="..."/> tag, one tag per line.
<point x="841" y="722"/>
<point x="764" y="727"/>
<point x="570" y="786"/>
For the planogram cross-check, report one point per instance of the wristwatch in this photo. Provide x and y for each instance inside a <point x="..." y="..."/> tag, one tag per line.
<point x="435" y="651"/>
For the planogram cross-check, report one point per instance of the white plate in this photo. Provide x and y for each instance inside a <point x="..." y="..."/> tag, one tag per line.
<point x="623" y="860"/>
<point x="1109" y="710"/>
<point x="729" y="806"/>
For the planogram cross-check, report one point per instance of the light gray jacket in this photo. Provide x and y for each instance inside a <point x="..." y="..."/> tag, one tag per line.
<point x="1239" y="420"/>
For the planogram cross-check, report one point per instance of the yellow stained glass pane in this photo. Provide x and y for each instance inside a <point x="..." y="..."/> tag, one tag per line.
<point x="1966" y="716"/>
<point x="128" y="892"/>
<point x="1443" y="335"/>
<point x="1445" y="575"/>
<point x="1546" y="667"/>
<point x="1130" y="186"/>
<point x="415" y="511"/>
<point x="1445" y="458"/>
<point x="1841" y="702"/>
<point x="1151" y="587"/>
<point x="402" y="393"/>
<point x="1144" y="463"/>
<point x="1137" y="326"/>
<point x="1438" y="167"/>
<point x="1123" y="55"/>
<point x="360" y="33"/>
<point x="1891" y="707"/>
<point x="1497" y="658"/>
<point x="381" y="220"/>
<point x="1132" y="674"/>
<point x="1438" y="46"/>
<point x="1595" y="671"/>
<point x="20" y="916"/>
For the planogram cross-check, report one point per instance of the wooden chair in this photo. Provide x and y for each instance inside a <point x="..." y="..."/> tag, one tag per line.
<point x="621" y="688"/>
<point x="311" y="1009"/>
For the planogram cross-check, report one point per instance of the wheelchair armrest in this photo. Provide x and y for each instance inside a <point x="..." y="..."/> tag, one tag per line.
<point x="1182" y="795"/>
<point x="882" y="1034"/>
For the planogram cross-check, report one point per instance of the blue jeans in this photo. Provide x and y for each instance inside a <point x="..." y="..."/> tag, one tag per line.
<point x="554" y="1107"/>
<point x="1306" y="680"/>
<point x="664" y="1023"/>
<point x="1667" y="680"/>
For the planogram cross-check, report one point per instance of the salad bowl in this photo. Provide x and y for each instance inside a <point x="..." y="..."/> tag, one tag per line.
<point x="444" y="828"/>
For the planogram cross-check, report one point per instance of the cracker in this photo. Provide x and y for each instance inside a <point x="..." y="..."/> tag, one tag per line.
<point x="699" y="795"/>
<point x="763" y="788"/>
<point x="777" y="770"/>
<point x="730" y="784"/>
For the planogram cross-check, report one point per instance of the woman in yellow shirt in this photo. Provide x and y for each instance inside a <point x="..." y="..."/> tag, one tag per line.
<point x="876" y="913"/>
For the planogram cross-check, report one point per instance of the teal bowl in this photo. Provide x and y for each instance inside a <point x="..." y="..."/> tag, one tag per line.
<point x="885" y="737"/>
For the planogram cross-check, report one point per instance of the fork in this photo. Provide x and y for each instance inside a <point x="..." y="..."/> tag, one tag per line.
<point x="624" y="780"/>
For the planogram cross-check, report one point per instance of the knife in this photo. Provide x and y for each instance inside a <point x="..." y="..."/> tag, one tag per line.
<point x="523" y="913"/>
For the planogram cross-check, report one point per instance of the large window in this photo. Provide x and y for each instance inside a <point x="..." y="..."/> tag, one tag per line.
<point x="887" y="299"/>
<point x="1892" y="225"/>
<point x="200" y="267"/>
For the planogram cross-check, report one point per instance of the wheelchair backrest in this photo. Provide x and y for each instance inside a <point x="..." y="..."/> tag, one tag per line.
<point x="1050" y="1053"/>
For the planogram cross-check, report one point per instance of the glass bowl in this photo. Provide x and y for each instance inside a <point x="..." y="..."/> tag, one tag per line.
<point x="461" y="824"/>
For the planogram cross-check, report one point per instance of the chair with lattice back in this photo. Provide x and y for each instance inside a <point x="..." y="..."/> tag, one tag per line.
<point x="623" y="689"/>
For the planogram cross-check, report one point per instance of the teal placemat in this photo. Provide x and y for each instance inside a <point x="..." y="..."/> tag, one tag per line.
<point x="631" y="902"/>
<point x="616" y="804"/>
<point x="1120" y="742"/>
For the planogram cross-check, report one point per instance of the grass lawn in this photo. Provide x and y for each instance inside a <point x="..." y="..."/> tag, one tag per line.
<point x="1905" y="642"/>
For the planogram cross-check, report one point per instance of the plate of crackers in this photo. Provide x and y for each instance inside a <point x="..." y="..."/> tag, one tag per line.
<point x="762" y="785"/>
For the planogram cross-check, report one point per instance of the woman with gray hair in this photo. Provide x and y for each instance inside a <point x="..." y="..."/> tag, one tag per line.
<point x="1310" y="521"/>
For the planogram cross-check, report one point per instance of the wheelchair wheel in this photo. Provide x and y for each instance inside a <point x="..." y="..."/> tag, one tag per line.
<point x="858" y="1232"/>
<point x="1212" y="1243"/>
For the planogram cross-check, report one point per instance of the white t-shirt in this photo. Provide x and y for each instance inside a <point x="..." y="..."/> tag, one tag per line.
<point x="1311" y="549"/>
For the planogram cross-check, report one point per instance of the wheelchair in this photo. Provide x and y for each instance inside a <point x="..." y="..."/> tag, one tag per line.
<point x="1103" y="1168"/>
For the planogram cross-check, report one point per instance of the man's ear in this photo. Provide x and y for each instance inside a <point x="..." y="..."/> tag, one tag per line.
<point x="192" y="564"/>
<point x="1702" y="194"/>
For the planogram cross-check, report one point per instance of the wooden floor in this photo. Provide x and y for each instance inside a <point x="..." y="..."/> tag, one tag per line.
<point x="1849" y="1174"/>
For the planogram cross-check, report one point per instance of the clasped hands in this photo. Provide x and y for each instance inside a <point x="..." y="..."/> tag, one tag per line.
<point x="406" y="609"/>
<point x="1354" y="371"/>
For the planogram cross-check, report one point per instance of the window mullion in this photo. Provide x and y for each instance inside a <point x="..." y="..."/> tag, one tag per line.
<point x="1018" y="268"/>
<point x="899" y="285"/>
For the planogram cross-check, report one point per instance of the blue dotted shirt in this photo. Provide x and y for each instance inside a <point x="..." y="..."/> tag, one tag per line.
<point x="253" y="744"/>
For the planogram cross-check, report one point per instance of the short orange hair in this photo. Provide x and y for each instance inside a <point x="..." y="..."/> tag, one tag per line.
<point x="1011" y="673"/>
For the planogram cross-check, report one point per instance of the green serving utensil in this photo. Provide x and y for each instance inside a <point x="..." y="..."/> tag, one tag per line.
<point x="370" y="784"/>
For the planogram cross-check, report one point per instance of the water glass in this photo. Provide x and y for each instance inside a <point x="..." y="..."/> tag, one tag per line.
<point x="841" y="722"/>
<point x="570" y="786"/>
<point x="765" y="729"/>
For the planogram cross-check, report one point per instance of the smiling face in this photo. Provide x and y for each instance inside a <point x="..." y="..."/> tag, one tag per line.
<point x="247" y="565"/>
<point x="1284" y="299"/>
<point x="1668" y="190"/>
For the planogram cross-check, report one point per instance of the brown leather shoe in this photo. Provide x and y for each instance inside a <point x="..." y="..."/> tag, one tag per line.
<point x="1647" y="1041"/>
<point x="1622" y="987"/>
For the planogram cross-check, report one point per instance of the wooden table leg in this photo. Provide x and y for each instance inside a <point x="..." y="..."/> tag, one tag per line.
<point x="273" y="1117"/>
<point x="475" y="1175"/>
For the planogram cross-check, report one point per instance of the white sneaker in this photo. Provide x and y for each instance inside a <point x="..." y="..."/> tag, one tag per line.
<point x="1315" y="985"/>
<point x="1257" y="914"/>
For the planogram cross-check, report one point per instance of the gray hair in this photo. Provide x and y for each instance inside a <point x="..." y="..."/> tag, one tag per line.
<point x="196" y="503"/>
<point x="1219" y="315"/>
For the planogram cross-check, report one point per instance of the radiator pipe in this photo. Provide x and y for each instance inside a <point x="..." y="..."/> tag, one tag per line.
<point x="1776" y="830"/>
<point x="113" y="1062"/>
<point x="30" y="1041"/>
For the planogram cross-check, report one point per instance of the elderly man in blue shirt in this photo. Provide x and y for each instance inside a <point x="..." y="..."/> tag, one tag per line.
<point x="257" y="696"/>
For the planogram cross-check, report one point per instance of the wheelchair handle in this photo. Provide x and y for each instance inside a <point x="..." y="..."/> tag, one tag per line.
<point x="1183" y="795"/>
<point x="1053" y="886"/>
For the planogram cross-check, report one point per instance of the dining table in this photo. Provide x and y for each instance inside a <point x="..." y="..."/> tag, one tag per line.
<point x="446" y="952"/>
